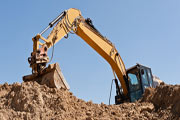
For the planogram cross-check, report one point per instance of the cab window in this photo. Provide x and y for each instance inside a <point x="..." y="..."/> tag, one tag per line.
<point x="150" y="77"/>
<point x="133" y="81"/>
<point x="144" y="77"/>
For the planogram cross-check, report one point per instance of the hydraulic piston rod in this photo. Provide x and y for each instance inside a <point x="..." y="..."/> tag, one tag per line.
<point x="51" y="24"/>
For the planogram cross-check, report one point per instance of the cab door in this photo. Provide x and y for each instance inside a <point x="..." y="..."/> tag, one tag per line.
<point x="135" y="89"/>
<point x="146" y="77"/>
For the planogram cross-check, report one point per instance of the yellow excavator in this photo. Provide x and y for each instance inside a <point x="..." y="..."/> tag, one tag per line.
<point x="130" y="83"/>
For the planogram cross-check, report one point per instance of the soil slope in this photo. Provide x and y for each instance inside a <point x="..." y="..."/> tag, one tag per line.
<point x="31" y="101"/>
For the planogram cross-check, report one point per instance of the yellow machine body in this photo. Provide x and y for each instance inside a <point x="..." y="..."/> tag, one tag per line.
<point x="71" y="20"/>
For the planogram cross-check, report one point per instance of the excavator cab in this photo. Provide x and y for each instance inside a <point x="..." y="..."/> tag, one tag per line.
<point x="139" y="78"/>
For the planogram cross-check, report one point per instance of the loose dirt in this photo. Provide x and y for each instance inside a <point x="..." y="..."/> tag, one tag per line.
<point x="31" y="101"/>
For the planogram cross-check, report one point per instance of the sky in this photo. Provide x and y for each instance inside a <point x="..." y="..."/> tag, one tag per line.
<point x="143" y="31"/>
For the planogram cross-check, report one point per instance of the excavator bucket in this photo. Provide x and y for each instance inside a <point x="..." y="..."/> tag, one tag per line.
<point x="51" y="76"/>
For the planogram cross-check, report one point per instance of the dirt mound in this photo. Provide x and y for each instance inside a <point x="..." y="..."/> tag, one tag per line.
<point x="32" y="101"/>
<point x="164" y="97"/>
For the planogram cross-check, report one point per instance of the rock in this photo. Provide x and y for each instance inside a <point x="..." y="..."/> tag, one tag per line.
<point x="148" y="108"/>
<point x="89" y="118"/>
<point x="88" y="113"/>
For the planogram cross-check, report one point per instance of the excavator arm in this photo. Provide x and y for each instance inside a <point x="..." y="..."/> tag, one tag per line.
<point x="71" y="21"/>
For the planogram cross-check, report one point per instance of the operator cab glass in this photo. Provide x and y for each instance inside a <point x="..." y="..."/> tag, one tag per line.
<point x="146" y="78"/>
<point x="139" y="78"/>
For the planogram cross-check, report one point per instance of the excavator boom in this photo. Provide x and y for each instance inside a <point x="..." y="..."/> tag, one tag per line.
<point x="71" y="21"/>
